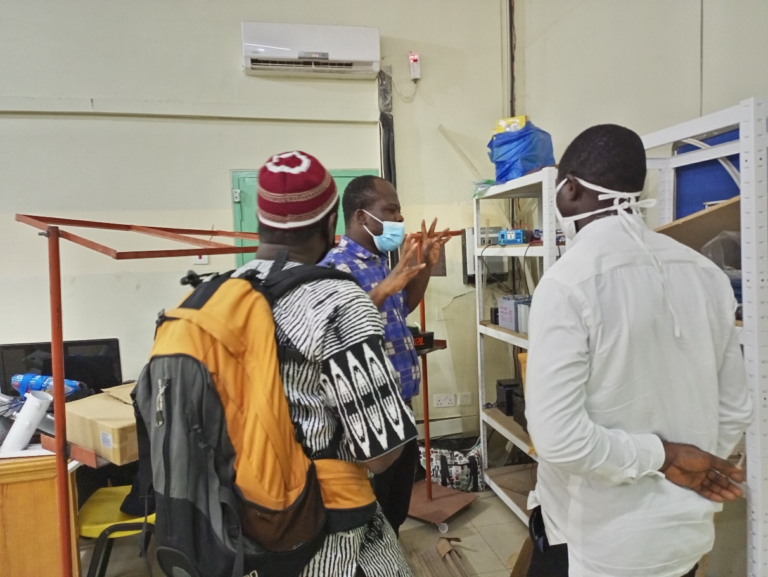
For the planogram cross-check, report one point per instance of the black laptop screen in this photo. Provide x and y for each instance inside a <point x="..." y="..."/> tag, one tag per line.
<point x="93" y="362"/>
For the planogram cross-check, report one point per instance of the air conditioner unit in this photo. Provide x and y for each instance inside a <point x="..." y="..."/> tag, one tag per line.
<point x="308" y="50"/>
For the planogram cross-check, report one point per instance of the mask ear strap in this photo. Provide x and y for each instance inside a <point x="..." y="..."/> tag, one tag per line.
<point x="373" y="217"/>
<point x="598" y="188"/>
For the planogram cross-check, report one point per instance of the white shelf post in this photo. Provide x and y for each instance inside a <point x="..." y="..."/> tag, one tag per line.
<point x="541" y="186"/>
<point x="754" y="258"/>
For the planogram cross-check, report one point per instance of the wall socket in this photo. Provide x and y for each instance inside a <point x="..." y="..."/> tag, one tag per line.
<point x="446" y="400"/>
<point x="200" y="259"/>
<point x="465" y="398"/>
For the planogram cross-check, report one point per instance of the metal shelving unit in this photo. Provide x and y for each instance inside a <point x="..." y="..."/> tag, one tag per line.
<point x="511" y="484"/>
<point x="751" y="118"/>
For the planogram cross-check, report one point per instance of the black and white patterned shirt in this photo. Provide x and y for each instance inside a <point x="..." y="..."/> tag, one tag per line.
<point x="347" y="379"/>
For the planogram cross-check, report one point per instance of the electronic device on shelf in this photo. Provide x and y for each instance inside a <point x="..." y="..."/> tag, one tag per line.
<point x="510" y="400"/>
<point x="497" y="269"/>
<point x="95" y="362"/>
<point x="422" y="341"/>
<point x="513" y="237"/>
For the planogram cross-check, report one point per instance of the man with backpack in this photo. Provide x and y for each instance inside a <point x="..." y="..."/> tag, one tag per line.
<point x="336" y="327"/>
<point x="268" y="400"/>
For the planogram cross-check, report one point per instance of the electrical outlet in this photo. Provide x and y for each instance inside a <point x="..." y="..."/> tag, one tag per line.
<point x="447" y="400"/>
<point x="465" y="398"/>
<point x="200" y="259"/>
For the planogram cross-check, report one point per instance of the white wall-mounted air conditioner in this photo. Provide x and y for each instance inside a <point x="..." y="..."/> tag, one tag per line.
<point x="308" y="50"/>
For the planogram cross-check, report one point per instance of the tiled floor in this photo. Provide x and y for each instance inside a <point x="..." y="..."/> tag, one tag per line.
<point x="491" y="536"/>
<point x="124" y="560"/>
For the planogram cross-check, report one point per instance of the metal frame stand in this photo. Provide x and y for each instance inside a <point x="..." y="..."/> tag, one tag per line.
<point x="431" y="502"/>
<point x="50" y="227"/>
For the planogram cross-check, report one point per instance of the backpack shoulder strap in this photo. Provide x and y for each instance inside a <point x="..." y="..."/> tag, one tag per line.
<point x="204" y="291"/>
<point x="279" y="284"/>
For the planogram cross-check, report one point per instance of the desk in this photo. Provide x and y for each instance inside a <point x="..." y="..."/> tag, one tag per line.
<point x="29" y="543"/>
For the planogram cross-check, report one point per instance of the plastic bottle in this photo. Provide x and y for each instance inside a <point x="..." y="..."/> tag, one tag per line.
<point x="31" y="382"/>
<point x="27" y="421"/>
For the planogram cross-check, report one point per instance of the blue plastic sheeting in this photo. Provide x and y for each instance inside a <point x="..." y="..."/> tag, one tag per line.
<point x="515" y="154"/>
<point x="704" y="181"/>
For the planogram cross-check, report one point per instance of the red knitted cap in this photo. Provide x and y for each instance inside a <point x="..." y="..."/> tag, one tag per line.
<point x="295" y="191"/>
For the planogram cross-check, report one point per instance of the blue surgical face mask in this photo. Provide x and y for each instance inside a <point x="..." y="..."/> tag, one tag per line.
<point x="391" y="236"/>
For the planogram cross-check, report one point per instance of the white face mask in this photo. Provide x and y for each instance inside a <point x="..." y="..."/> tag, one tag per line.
<point x="622" y="201"/>
<point x="630" y="201"/>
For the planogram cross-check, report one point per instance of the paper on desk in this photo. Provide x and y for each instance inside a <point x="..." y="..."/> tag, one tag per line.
<point x="30" y="451"/>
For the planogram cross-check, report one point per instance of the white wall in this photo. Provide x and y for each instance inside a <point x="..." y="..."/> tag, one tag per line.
<point x="645" y="65"/>
<point x="137" y="111"/>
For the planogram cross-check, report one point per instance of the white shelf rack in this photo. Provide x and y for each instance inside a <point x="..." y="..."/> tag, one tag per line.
<point x="518" y="251"/>
<point x="502" y="334"/>
<point x="509" y="429"/>
<point x="751" y="118"/>
<point x="511" y="484"/>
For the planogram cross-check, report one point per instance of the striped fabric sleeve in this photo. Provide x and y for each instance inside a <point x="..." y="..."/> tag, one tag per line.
<point x="356" y="372"/>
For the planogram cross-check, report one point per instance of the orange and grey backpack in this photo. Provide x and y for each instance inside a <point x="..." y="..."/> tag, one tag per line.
<point x="236" y="492"/>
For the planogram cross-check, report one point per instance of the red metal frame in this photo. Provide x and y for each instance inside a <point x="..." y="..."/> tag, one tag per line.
<point x="50" y="227"/>
<point x="425" y="383"/>
<point x="182" y="235"/>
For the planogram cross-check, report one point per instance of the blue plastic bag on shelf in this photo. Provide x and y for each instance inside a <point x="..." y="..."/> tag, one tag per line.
<point x="517" y="153"/>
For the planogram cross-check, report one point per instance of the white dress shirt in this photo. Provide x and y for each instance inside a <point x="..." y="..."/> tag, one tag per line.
<point x="607" y="379"/>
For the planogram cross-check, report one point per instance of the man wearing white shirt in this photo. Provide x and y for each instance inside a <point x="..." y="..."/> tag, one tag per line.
<point x="636" y="390"/>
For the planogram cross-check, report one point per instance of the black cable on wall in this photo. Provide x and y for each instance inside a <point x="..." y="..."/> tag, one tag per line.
<point x="387" y="141"/>
<point x="512" y="42"/>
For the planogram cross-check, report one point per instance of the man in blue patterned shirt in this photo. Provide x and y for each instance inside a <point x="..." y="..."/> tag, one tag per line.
<point x="374" y="226"/>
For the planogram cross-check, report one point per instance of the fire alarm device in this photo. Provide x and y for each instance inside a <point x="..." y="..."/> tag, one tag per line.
<point x="415" y="64"/>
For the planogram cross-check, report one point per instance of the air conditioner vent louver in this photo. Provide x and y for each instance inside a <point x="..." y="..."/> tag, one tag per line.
<point x="257" y="63"/>
<point x="308" y="50"/>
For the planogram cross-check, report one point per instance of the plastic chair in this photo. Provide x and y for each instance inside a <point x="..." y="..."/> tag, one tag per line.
<point x="100" y="518"/>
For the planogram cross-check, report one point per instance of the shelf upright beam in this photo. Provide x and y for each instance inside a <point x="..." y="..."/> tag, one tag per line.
<point x="754" y="254"/>
<point x="666" y="203"/>
<point x="548" y="216"/>
<point x="479" y="286"/>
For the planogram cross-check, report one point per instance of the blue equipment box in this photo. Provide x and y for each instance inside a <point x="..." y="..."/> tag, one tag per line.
<point x="507" y="237"/>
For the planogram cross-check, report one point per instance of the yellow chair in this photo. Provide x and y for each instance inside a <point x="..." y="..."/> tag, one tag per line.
<point x="101" y="519"/>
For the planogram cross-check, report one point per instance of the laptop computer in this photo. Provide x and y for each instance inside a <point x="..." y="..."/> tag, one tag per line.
<point x="94" y="362"/>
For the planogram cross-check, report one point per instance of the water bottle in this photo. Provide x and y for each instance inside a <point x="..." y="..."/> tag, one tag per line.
<point x="31" y="382"/>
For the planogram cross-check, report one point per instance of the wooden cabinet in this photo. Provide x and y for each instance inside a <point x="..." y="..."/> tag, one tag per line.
<point x="29" y="539"/>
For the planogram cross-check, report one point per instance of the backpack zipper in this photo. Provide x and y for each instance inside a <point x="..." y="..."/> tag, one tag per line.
<point x="160" y="419"/>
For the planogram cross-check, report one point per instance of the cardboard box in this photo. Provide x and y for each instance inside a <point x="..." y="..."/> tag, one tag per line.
<point x="105" y="424"/>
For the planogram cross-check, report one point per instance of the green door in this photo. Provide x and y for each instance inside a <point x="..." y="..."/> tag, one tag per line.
<point x="244" y="185"/>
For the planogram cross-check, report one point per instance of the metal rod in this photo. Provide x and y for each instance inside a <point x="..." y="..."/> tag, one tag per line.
<point x="45" y="221"/>
<point x="60" y="424"/>
<point x="86" y="243"/>
<point x="152" y="231"/>
<point x="427" y="443"/>
<point x="176" y="252"/>
<point x="208" y="232"/>
<point x="425" y="394"/>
